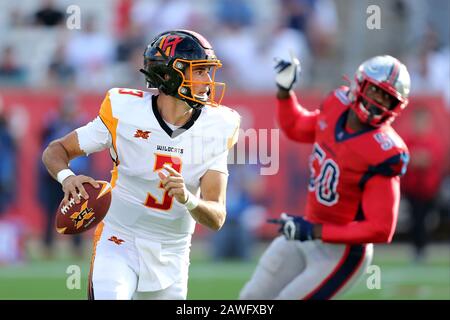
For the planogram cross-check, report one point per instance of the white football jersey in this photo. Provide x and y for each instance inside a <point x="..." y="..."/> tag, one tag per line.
<point x="140" y="143"/>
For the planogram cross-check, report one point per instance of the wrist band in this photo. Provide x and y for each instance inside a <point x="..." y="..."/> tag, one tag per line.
<point x="63" y="174"/>
<point x="192" y="202"/>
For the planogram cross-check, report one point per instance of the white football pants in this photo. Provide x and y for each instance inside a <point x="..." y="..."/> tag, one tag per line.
<point x="291" y="270"/>
<point x="121" y="271"/>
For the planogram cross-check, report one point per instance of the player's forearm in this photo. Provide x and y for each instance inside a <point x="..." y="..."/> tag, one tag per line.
<point x="356" y="233"/>
<point x="210" y="214"/>
<point x="380" y="204"/>
<point x="296" y="122"/>
<point x="55" y="158"/>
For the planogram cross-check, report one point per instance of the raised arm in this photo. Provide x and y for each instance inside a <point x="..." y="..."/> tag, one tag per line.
<point x="296" y="122"/>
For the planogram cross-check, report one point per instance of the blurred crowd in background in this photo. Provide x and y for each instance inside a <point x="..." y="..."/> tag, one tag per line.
<point x="39" y="52"/>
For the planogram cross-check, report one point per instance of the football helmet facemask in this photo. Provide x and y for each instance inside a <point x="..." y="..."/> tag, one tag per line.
<point x="169" y="62"/>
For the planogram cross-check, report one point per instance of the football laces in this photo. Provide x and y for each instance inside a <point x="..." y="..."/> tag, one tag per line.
<point x="71" y="203"/>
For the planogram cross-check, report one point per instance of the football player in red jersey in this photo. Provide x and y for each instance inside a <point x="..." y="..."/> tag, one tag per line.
<point x="354" y="189"/>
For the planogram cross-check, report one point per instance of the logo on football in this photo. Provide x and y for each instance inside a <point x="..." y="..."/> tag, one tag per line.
<point x="75" y="218"/>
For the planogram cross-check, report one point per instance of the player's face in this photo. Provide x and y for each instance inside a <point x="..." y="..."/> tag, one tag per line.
<point x="380" y="96"/>
<point x="201" y="77"/>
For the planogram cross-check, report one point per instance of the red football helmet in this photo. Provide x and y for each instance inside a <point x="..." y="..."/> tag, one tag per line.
<point x="389" y="75"/>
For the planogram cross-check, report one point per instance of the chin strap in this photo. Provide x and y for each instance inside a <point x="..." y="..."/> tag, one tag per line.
<point x="145" y="72"/>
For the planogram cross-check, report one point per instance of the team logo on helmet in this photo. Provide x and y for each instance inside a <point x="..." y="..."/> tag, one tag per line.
<point x="168" y="44"/>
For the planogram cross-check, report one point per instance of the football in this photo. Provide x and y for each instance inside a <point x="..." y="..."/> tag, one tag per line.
<point x="77" y="218"/>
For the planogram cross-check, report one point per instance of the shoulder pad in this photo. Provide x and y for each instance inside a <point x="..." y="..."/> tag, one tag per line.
<point x="126" y="93"/>
<point x="341" y="94"/>
<point x="377" y="145"/>
<point x="123" y="99"/>
<point x="225" y="122"/>
<point x="337" y="97"/>
<point x="384" y="152"/>
<point x="387" y="155"/>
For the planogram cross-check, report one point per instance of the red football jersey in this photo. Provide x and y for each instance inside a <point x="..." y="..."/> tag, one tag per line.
<point x="341" y="164"/>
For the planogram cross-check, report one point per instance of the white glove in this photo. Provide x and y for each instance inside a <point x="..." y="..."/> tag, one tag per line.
<point x="287" y="72"/>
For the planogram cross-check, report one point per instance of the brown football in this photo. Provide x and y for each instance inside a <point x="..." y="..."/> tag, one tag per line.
<point x="77" y="218"/>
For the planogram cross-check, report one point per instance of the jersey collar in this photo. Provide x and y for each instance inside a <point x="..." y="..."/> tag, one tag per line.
<point x="340" y="134"/>
<point x="174" y="133"/>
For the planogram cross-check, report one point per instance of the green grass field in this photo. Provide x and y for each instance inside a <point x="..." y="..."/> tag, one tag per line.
<point x="400" y="278"/>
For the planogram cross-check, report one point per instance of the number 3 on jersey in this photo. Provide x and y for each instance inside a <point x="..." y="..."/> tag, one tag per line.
<point x="324" y="177"/>
<point x="132" y="92"/>
<point x="160" y="161"/>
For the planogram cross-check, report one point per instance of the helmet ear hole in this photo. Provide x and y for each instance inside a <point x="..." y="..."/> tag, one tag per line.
<point x="183" y="90"/>
<point x="179" y="65"/>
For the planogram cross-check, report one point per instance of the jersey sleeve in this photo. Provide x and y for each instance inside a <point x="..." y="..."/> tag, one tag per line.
<point x="393" y="166"/>
<point x="231" y="129"/>
<point x="396" y="165"/>
<point x="98" y="134"/>
<point x="219" y="163"/>
<point x="380" y="203"/>
<point x="94" y="136"/>
<point x="296" y="122"/>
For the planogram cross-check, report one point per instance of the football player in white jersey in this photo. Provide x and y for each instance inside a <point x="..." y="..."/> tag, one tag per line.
<point x="169" y="146"/>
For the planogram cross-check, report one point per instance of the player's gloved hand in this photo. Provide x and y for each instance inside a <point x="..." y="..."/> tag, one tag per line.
<point x="287" y="72"/>
<point x="294" y="227"/>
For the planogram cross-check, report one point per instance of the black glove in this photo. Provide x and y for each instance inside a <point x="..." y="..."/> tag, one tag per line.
<point x="294" y="227"/>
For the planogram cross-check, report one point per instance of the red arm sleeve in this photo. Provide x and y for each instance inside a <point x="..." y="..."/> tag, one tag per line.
<point x="296" y="122"/>
<point x="380" y="202"/>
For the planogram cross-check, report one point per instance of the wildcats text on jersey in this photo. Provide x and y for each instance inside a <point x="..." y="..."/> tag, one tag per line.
<point x="169" y="149"/>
